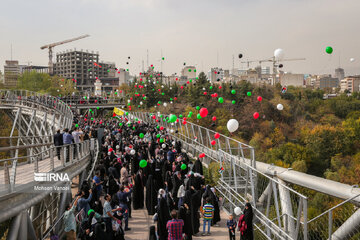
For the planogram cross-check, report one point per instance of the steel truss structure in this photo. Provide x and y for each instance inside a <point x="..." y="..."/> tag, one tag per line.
<point x="280" y="211"/>
<point x="35" y="119"/>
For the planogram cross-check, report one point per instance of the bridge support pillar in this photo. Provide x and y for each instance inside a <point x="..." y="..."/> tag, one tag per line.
<point x="21" y="228"/>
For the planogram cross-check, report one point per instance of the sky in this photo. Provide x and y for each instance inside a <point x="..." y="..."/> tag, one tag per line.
<point x="204" y="33"/>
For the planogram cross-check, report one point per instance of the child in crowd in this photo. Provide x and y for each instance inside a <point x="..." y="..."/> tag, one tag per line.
<point x="231" y="225"/>
<point x="208" y="212"/>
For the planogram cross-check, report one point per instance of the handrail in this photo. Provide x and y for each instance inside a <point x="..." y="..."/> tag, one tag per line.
<point x="336" y="206"/>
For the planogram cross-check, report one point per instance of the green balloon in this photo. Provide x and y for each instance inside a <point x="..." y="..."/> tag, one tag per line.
<point x="329" y="50"/>
<point x="198" y="116"/>
<point x="190" y="113"/>
<point x="158" y="135"/>
<point x="143" y="163"/>
<point x="162" y="140"/>
<point x="133" y="128"/>
<point x="163" y="94"/>
<point x="221" y="100"/>
<point x="249" y="94"/>
<point x="126" y="113"/>
<point x="161" y="115"/>
<point x="157" y="126"/>
<point x="233" y="101"/>
<point x="170" y="99"/>
<point x="92" y="119"/>
<point x="76" y="125"/>
<point x="172" y="118"/>
<point x="211" y="87"/>
<point x="190" y="80"/>
<point x="120" y="124"/>
<point x="141" y="135"/>
<point x="97" y="108"/>
<point x="180" y="116"/>
<point x="183" y="166"/>
<point x="233" y="91"/>
<point x="136" y="119"/>
<point x="197" y="108"/>
<point x="144" y="98"/>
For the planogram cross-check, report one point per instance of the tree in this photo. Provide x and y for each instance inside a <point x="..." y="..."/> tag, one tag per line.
<point x="34" y="81"/>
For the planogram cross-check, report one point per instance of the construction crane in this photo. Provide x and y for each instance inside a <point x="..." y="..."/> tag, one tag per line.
<point x="50" y="47"/>
<point x="275" y="63"/>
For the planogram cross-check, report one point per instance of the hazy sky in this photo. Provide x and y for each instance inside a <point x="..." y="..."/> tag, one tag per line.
<point x="191" y="31"/>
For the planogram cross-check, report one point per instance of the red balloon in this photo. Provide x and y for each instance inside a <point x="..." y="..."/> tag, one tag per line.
<point x="203" y="112"/>
<point x="110" y="149"/>
<point x="214" y="118"/>
<point x="201" y="155"/>
<point x="161" y="128"/>
<point x="182" y="87"/>
<point x="215" y="94"/>
<point x="216" y="135"/>
<point x="213" y="142"/>
<point x="259" y="98"/>
<point x="256" y="115"/>
<point x="205" y="93"/>
<point x="153" y="116"/>
<point x="175" y="98"/>
<point x="184" y="122"/>
<point x="220" y="87"/>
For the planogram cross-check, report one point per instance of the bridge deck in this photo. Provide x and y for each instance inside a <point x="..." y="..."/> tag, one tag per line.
<point x="25" y="172"/>
<point x="141" y="221"/>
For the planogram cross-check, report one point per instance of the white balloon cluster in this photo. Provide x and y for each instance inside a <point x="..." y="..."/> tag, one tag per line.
<point x="232" y="125"/>
<point x="279" y="54"/>
<point x="237" y="211"/>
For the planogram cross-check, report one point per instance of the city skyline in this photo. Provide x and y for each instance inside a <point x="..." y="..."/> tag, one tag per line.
<point x="205" y="34"/>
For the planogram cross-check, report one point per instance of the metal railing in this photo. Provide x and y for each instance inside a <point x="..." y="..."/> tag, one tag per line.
<point x="50" y="159"/>
<point x="280" y="212"/>
<point x="41" y="102"/>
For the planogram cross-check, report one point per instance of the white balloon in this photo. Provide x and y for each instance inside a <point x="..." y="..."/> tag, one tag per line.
<point x="132" y="152"/>
<point x="170" y="88"/>
<point x="204" y="88"/>
<point x="352" y="59"/>
<point x="165" y="104"/>
<point x="129" y="100"/>
<point x="173" y="143"/>
<point x="145" y="85"/>
<point x="171" y="102"/>
<point x="171" y="130"/>
<point x="279" y="54"/>
<point x="237" y="211"/>
<point x="162" y="86"/>
<point x="280" y="107"/>
<point x="141" y="103"/>
<point x="154" y="82"/>
<point x="232" y="125"/>
<point x="163" y="145"/>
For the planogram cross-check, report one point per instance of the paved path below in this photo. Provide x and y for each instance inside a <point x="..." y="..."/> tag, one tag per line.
<point x="140" y="223"/>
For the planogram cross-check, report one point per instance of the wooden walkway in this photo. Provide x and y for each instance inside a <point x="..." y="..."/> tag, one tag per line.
<point x="25" y="172"/>
<point x="141" y="222"/>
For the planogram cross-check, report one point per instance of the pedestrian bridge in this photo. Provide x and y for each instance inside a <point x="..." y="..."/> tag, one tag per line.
<point x="278" y="195"/>
<point x="35" y="118"/>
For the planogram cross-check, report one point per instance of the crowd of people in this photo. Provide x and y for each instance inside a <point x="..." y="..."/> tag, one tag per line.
<point x="141" y="166"/>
